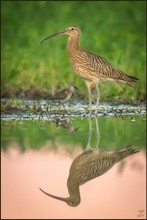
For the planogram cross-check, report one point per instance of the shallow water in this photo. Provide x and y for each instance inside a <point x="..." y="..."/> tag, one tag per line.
<point x="39" y="153"/>
<point x="29" y="109"/>
<point x="120" y="193"/>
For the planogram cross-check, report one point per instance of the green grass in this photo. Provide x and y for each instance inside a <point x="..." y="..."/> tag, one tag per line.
<point x="113" y="29"/>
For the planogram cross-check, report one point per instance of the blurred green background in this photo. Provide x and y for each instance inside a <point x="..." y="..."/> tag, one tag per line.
<point x="114" y="30"/>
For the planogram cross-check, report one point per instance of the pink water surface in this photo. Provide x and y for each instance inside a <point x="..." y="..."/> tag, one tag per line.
<point x="116" y="194"/>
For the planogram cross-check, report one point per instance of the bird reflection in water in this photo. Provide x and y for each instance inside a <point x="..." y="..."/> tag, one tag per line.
<point x="92" y="163"/>
<point x="67" y="124"/>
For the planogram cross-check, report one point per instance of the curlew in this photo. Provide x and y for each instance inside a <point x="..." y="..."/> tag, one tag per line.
<point x="87" y="166"/>
<point x="91" y="67"/>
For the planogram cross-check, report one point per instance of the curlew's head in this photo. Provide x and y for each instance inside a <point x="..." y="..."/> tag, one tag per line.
<point x="72" y="31"/>
<point x="71" y="201"/>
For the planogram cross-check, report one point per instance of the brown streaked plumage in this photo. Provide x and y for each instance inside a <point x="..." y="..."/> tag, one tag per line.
<point x="87" y="166"/>
<point x="91" y="67"/>
<point x="65" y="94"/>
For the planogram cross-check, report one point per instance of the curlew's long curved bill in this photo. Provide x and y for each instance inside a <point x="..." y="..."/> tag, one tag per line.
<point x="55" y="197"/>
<point x="53" y="35"/>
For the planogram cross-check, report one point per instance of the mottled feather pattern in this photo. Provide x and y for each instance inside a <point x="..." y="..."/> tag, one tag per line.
<point x="93" y="164"/>
<point x="94" y="68"/>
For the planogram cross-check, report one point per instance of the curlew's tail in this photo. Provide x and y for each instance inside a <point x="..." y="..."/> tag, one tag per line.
<point x="127" y="151"/>
<point x="130" y="80"/>
<point x="123" y="77"/>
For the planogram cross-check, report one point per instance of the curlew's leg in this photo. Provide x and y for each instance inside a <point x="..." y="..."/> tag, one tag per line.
<point x="89" y="96"/>
<point x="88" y="84"/>
<point x="97" y="133"/>
<point x="89" y="134"/>
<point x="98" y="98"/>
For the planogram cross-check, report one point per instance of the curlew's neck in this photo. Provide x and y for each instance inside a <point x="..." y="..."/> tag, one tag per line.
<point x="73" y="44"/>
<point x="73" y="188"/>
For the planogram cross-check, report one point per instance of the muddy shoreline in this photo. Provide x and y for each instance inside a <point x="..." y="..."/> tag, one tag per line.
<point x="24" y="108"/>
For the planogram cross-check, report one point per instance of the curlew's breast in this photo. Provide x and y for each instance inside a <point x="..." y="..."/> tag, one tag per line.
<point x="81" y="68"/>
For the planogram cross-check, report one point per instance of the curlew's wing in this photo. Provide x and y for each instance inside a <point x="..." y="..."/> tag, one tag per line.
<point x="92" y="164"/>
<point x="98" y="66"/>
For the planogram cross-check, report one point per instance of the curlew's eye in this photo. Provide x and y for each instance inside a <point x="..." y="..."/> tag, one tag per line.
<point x="72" y="29"/>
<point x="72" y="203"/>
